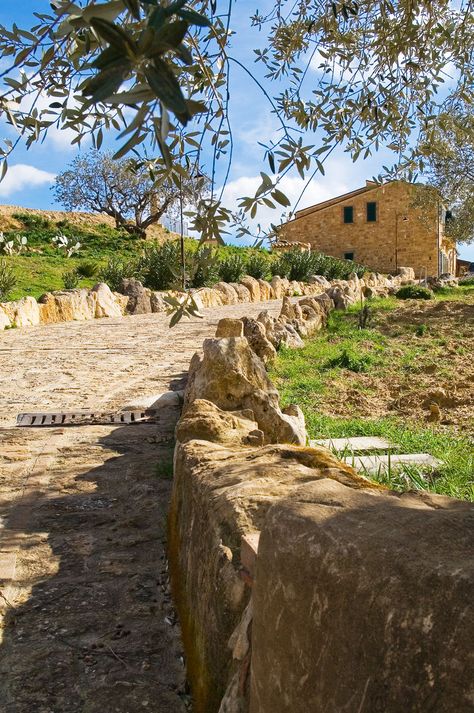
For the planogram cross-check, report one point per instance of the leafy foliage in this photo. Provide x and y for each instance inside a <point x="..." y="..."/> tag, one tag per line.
<point x="300" y="265"/>
<point x="159" y="265"/>
<point x="450" y="170"/>
<point x="71" y="279"/>
<point x="414" y="292"/>
<point x="116" y="270"/>
<point x="7" y="279"/>
<point x="258" y="266"/>
<point x="349" y="359"/>
<point x="232" y="268"/>
<point x="201" y="267"/>
<point x="157" y="74"/>
<point x="87" y="268"/>
<point x="122" y="189"/>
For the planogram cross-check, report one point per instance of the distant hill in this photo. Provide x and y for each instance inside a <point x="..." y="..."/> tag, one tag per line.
<point x="85" y="221"/>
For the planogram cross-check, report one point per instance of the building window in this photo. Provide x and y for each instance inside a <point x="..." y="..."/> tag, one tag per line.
<point x="348" y="256"/>
<point x="348" y="214"/>
<point x="371" y="212"/>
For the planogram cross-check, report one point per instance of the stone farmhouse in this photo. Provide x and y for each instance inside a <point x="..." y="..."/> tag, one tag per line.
<point x="378" y="226"/>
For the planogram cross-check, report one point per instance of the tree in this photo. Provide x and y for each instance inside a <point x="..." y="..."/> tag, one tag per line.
<point x="158" y="72"/>
<point x="450" y="170"/>
<point x="123" y="189"/>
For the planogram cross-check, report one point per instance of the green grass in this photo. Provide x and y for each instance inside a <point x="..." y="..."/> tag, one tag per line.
<point x="309" y="376"/>
<point x="41" y="267"/>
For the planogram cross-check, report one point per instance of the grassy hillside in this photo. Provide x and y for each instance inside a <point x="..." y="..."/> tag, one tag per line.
<point x="380" y="381"/>
<point x="40" y="268"/>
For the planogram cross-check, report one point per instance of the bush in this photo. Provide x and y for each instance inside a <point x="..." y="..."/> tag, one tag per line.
<point x="70" y="279"/>
<point x="7" y="280"/>
<point x="232" y="268"/>
<point x="414" y="292"/>
<point x="202" y="268"/>
<point x="348" y="359"/>
<point x="160" y="265"/>
<point x="258" y="266"/>
<point x="297" y="265"/>
<point x="87" y="268"/>
<point x="115" y="271"/>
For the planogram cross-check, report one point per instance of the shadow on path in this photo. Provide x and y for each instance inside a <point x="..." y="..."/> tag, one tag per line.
<point x="93" y="629"/>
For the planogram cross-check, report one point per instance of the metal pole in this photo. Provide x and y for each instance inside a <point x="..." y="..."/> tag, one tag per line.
<point x="181" y="230"/>
<point x="396" y="243"/>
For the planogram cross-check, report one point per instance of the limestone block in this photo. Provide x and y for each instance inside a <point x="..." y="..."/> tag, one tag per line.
<point x="280" y="286"/>
<point x="266" y="291"/>
<point x="22" y="313"/>
<point x="204" y="421"/>
<point x="4" y="319"/>
<point x="139" y="297"/>
<point x="362" y="602"/>
<point x="296" y="288"/>
<point x="222" y="492"/>
<point x="406" y="275"/>
<point x="253" y="287"/>
<point x="256" y="336"/>
<point x="319" y="280"/>
<point x="230" y="327"/>
<point x="157" y="302"/>
<point x="243" y="292"/>
<point x="230" y="296"/>
<point x="67" y="306"/>
<point x="122" y="301"/>
<point x="107" y="304"/>
<point x="230" y="375"/>
<point x="210" y="297"/>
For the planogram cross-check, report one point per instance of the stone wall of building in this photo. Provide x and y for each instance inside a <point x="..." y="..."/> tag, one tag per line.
<point x="300" y="585"/>
<point x="383" y="245"/>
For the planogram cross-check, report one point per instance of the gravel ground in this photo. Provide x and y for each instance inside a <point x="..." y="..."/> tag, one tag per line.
<point x="86" y="620"/>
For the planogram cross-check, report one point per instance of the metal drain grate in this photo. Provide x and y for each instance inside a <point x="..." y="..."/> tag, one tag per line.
<point x="78" y="418"/>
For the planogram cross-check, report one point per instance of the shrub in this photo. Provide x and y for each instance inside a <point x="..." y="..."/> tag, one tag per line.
<point x="258" y="266"/>
<point x="32" y="221"/>
<point x="87" y="268"/>
<point x="295" y="265"/>
<point x="232" y="268"/>
<point x="348" y="359"/>
<point x="7" y="280"/>
<point x="202" y="268"/>
<point x="413" y="292"/>
<point x="70" y="279"/>
<point x="160" y="265"/>
<point x="115" y="271"/>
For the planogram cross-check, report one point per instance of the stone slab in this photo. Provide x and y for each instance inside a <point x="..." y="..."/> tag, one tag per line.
<point x="357" y="443"/>
<point x="376" y="464"/>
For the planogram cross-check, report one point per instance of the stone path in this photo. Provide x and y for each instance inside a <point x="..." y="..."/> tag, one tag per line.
<point x="86" y="621"/>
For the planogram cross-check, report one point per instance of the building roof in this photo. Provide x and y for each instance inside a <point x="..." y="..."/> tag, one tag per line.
<point x="369" y="186"/>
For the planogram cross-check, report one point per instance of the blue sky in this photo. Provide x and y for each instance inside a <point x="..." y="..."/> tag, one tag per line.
<point x="32" y="172"/>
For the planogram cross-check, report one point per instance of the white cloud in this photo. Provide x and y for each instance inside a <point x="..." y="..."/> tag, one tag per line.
<point x="339" y="179"/>
<point x="22" y="176"/>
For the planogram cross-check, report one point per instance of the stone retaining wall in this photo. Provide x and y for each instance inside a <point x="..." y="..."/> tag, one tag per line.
<point x="301" y="586"/>
<point x="100" y="301"/>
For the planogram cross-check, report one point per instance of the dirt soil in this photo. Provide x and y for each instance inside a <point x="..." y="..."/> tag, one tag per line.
<point x="428" y="358"/>
<point x="86" y="620"/>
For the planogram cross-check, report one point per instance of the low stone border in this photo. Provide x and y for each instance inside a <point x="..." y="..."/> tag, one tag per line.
<point x="100" y="301"/>
<point x="301" y="585"/>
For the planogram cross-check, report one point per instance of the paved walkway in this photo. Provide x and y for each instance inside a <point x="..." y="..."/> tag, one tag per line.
<point x="86" y="621"/>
